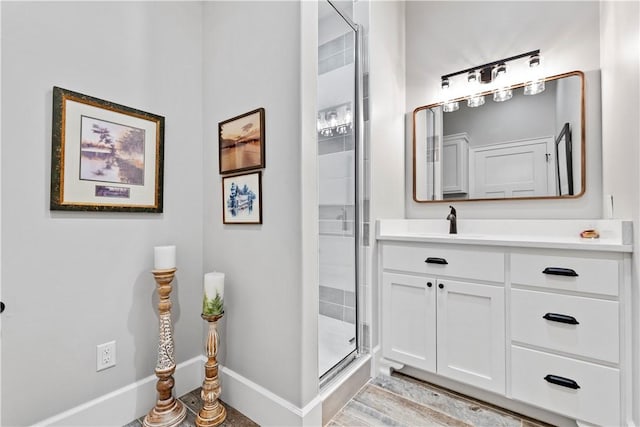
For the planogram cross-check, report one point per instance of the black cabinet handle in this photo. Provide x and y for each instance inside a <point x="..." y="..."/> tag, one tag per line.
<point x="561" y="318"/>
<point x="441" y="285"/>
<point x="564" y="382"/>
<point x="2" y="306"/>
<point x="433" y="260"/>
<point x="429" y="284"/>
<point x="557" y="271"/>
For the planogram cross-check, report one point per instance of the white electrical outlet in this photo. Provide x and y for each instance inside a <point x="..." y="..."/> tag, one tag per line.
<point x="105" y="355"/>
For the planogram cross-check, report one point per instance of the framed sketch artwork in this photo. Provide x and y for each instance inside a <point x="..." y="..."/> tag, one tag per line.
<point x="241" y="142"/>
<point x="242" y="199"/>
<point x="105" y="156"/>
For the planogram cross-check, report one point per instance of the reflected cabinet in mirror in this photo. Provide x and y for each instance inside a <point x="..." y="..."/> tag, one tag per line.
<point x="531" y="146"/>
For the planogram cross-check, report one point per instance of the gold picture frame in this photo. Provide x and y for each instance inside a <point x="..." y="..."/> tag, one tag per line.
<point x="105" y="156"/>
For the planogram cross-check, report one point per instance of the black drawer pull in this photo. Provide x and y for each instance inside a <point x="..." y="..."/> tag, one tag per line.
<point x="562" y="318"/>
<point x="433" y="260"/>
<point x="441" y="285"/>
<point x="429" y="284"/>
<point x="557" y="271"/>
<point x="564" y="382"/>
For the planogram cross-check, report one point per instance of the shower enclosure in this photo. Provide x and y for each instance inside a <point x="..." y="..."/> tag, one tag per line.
<point x="338" y="134"/>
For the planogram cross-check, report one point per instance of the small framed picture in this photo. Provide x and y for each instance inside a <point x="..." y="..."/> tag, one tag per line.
<point x="105" y="156"/>
<point x="241" y="142"/>
<point x="242" y="199"/>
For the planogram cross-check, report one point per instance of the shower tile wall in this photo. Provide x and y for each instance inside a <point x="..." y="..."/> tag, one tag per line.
<point x="335" y="53"/>
<point x="337" y="180"/>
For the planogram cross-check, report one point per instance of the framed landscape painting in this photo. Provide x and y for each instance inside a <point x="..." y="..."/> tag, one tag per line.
<point x="242" y="199"/>
<point x="241" y="142"/>
<point x="105" y="156"/>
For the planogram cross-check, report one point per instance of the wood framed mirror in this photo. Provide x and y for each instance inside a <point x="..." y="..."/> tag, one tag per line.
<point x="529" y="147"/>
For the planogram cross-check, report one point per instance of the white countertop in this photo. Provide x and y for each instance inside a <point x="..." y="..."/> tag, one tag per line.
<point x="615" y="235"/>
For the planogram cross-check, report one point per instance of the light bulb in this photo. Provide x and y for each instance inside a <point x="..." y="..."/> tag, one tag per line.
<point x="536" y="84"/>
<point x="348" y="119"/>
<point x="333" y="119"/>
<point x="475" y="101"/>
<point x="534" y="87"/>
<point x="502" y="94"/>
<point x="450" y="106"/>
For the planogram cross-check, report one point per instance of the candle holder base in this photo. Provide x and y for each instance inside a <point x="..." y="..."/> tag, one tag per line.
<point x="211" y="417"/>
<point x="171" y="416"/>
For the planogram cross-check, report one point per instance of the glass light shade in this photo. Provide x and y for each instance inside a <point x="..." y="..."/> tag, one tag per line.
<point x="534" y="87"/>
<point x="348" y="119"/>
<point x="475" y="101"/>
<point x="502" y="94"/>
<point x="450" y="106"/>
<point x="333" y="119"/>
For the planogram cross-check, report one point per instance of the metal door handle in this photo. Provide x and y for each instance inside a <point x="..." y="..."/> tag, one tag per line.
<point x="558" y="271"/>
<point x="562" y="381"/>
<point x="561" y="318"/>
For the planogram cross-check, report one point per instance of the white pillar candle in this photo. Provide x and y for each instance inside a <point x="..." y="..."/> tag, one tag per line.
<point x="164" y="257"/>
<point x="213" y="287"/>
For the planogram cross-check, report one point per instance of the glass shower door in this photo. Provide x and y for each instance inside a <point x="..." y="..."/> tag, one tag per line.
<point x="337" y="186"/>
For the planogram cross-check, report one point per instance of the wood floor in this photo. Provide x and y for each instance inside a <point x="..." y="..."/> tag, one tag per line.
<point x="193" y="403"/>
<point x="403" y="401"/>
<point x="393" y="401"/>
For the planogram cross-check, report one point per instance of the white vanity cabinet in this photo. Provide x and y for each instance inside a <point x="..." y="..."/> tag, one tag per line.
<point x="443" y="311"/>
<point x="565" y="333"/>
<point x="539" y="316"/>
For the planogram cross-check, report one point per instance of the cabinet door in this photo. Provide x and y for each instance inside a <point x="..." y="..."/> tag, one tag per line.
<point x="471" y="336"/>
<point x="408" y="320"/>
<point x="455" y="164"/>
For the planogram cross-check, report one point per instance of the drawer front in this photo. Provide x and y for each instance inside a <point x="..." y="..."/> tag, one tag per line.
<point x="479" y="263"/>
<point x="597" y="401"/>
<point x="595" y="335"/>
<point x="593" y="275"/>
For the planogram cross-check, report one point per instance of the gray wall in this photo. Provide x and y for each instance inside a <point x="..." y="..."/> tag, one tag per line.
<point x="264" y="290"/>
<point x="75" y="280"/>
<point x="568" y="35"/>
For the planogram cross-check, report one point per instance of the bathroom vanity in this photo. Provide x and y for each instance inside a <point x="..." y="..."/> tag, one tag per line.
<point x="524" y="309"/>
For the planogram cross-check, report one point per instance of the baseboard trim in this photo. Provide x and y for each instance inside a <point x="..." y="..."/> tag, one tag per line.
<point x="129" y="402"/>
<point x="265" y="407"/>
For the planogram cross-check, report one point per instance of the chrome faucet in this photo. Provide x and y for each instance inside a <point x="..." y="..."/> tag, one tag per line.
<point x="453" y="226"/>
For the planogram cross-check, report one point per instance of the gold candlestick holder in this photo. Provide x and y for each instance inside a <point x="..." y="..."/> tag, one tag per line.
<point x="213" y="412"/>
<point x="168" y="412"/>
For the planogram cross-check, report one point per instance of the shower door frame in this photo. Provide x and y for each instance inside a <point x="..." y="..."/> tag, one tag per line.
<point x="357" y="151"/>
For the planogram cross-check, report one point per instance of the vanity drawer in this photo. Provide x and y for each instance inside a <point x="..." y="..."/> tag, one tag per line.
<point x="593" y="275"/>
<point x="597" y="400"/>
<point x="595" y="335"/>
<point x="479" y="263"/>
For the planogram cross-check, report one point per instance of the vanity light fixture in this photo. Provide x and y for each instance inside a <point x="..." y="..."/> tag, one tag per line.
<point x="536" y="85"/>
<point x="336" y="120"/>
<point x="494" y="72"/>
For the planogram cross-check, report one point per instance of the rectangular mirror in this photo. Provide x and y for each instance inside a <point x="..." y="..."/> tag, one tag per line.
<point x="529" y="147"/>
